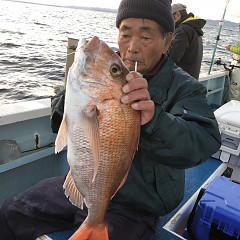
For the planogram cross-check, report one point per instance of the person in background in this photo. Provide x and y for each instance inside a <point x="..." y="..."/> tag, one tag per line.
<point x="178" y="131"/>
<point x="186" y="48"/>
<point x="234" y="49"/>
<point x="234" y="84"/>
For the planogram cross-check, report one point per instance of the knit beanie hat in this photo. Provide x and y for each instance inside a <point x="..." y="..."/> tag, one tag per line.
<point x="159" y="11"/>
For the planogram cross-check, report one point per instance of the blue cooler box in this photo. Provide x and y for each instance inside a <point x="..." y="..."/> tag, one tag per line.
<point x="217" y="214"/>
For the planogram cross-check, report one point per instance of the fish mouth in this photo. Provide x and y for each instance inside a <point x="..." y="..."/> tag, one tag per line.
<point x="91" y="46"/>
<point x="90" y="49"/>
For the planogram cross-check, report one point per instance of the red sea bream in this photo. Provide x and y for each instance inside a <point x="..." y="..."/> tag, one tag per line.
<point x="100" y="132"/>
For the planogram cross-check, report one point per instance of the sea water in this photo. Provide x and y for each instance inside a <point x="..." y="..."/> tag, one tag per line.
<point x="33" y="45"/>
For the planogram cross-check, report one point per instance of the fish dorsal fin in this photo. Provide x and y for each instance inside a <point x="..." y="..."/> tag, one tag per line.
<point x="72" y="192"/>
<point x="61" y="139"/>
<point x="91" y="128"/>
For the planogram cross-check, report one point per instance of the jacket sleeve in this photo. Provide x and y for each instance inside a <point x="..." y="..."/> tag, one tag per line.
<point x="57" y="107"/>
<point x="180" y="43"/>
<point x="235" y="49"/>
<point x="182" y="135"/>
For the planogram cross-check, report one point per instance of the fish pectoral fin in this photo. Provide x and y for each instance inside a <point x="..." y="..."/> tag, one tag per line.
<point x="122" y="182"/>
<point x="71" y="191"/>
<point x="61" y="139"/>
<point x="91" y="128"/>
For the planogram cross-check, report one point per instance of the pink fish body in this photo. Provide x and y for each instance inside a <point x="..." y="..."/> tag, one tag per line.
<point x="100" y="132"/>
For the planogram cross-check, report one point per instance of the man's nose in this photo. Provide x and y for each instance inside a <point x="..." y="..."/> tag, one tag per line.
<point x="134" y="46"/>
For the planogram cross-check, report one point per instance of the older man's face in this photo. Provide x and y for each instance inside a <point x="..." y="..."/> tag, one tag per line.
<point x="140" y="40"/>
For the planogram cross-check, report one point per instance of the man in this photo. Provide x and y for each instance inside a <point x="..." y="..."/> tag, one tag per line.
<point x="178" y="131"/>
<point x="234" y="86"/>
<point x="186" y="48"/>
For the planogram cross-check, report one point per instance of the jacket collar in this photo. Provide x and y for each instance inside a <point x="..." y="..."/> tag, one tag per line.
<point x="156" y="69"/>
<point x="161" y="81"/>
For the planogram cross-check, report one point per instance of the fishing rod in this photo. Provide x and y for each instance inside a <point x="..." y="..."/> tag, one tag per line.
<point x="228" y="67"/>
<point x="221" y="23"/>
<point x="219" y="62"/>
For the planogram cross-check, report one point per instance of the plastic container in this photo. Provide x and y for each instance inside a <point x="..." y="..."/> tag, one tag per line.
<point x="217" y="214"/>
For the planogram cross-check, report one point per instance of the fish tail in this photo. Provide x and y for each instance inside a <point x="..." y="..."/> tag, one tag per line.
<point x="86" y="232"/>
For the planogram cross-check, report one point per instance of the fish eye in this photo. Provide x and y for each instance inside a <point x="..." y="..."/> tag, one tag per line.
<point x="115" y="70"/>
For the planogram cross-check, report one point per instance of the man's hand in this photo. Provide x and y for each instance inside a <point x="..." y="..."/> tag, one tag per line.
<point x="228" y="47"/>
<point x="136" y="94"/>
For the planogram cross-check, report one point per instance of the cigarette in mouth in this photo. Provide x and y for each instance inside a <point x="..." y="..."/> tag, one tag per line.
<point x="135" y="68"/>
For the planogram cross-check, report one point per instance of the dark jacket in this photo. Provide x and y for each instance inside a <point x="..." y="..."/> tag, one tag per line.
<point x="182" y="134"/>
<point x="186" y="48"/>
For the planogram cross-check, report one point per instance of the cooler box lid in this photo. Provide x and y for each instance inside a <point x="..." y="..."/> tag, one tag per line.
<point x="229" y="113"/>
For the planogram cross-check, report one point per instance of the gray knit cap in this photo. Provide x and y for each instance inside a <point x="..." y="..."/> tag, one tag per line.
<point x="159" y="11"/>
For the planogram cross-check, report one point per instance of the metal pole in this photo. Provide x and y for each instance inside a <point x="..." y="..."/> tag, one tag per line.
<point x="221" y="23"/>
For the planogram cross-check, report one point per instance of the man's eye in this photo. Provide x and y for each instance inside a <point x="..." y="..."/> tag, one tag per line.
<point x="125" y="36"/>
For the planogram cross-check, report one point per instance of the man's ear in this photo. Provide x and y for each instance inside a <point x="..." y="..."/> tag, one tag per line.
<point x="168" y="40"/>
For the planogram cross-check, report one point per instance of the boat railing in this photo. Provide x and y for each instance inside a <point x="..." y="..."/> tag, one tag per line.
<point x="27" y="152"/>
